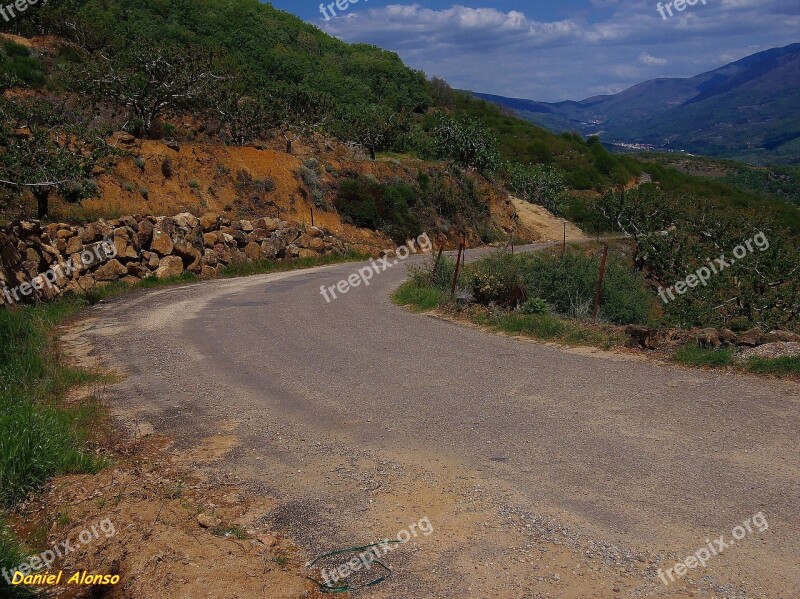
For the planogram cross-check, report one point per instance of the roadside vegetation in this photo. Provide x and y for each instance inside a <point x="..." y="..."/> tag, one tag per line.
<point x="549" y="296"/>
<point x="545" y="295"/>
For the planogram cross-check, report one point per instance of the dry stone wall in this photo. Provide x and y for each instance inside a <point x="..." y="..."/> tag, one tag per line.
<point x="40" y="262"/>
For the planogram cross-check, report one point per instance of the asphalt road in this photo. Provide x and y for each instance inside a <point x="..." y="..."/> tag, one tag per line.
<point x="544" y="471"/>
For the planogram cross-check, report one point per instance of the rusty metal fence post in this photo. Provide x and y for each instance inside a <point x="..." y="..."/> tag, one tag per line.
<point x="600" y="283"/>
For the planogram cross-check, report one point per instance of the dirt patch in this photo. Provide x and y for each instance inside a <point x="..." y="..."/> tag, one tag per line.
<point x="538" y="224"/>
<point x="159" y="546"/>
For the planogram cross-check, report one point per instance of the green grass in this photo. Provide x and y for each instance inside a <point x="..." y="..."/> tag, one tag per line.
<point x="786" y="365"/>
<point x="694" y="355"/>
<point x="419" y="299"/>
<point x="547" y="327"/>
<point x="38" y="437"/>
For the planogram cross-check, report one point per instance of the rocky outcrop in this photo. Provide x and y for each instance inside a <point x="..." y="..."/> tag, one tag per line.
<point x="40" y="262"/>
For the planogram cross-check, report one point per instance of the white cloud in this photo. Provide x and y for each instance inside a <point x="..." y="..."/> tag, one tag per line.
<point x="515" y="53"/>
<point x="651" y="60"/>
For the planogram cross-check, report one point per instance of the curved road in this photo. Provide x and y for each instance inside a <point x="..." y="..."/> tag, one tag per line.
<point x="544" y="472"/>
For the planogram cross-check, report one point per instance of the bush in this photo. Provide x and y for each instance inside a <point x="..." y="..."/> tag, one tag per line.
<point x="534" y="305"/>
<point x="18" y="67"/>
<point x="540" y="185"/>
<point x="497" y="280"/>
<point x="166" y="167"/>
<point x="567" y="284"/>
<point x="385" y="207"/>
<point x="441" y="278"/>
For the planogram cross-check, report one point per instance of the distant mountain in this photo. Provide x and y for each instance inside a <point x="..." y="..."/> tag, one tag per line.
<point x="748" y="109"/>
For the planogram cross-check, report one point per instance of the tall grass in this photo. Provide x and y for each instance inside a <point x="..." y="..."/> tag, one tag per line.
<point x="38" y="437"/>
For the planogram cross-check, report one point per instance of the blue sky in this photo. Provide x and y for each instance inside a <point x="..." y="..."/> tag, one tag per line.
<point x="560" y="49"/>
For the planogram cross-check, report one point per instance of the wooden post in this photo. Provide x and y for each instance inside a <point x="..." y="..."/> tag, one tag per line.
<point x="312" y="216"/>
<point x="436" y="263"/>
<point x="600" y="283"/>
<point x="455" y="273"/>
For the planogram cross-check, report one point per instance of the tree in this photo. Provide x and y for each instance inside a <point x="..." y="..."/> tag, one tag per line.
<point x="373" y="126"/>
<point x="441" y="93"/>
<point x="298" y="111"/>
<point x="676" y="235"/>
<point x="147" y="79"/>
<point x="244" y="116"/>
<point x="539" y="185"/>
<point x="467" y="142"/>
<point x="45" y="148"/>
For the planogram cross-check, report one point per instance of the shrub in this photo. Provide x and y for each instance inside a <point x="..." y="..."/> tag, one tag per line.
<point x="540" y="185"/>
<point x="386" y="207"/>
<point x="496" y="279"/>
<point x="140" y="163"/>
<point x="534" y="305"/>
<point x="567" y="284"/>
<point x="194" y="184"/>
<point x="166" y="167"/>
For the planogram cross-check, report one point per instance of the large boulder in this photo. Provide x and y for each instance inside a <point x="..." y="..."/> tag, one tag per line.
<point x="781" y="337"/>
<point x="253" y="251"/>
<point x="125" y="244"/>
<point x="270" y="224"/>
<point x="186" y="221"/>
<point x="642" y="337"/>
<point x="209" y="222"/>
<point x="709" y="337"/>
<point x="74" y="245"/>
<point x="171" y="266"/>
<point x="274" y="247"/>
<point x="752" y="338"/>
<point x="144" y="232"/>
<point x="110" y="271"/>
<point x="161" y="243"/>
<point x="211" y="239"/>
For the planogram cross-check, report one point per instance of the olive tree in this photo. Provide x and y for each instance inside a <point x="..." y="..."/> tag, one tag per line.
<point x="44" y="147"/>
<point x="147" y="79"/>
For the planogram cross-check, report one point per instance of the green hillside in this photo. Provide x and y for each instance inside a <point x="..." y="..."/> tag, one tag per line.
<point x="245" y="70"/>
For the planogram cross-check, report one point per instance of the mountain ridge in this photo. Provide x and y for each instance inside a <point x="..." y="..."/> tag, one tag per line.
<point x="747" y="109"/>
